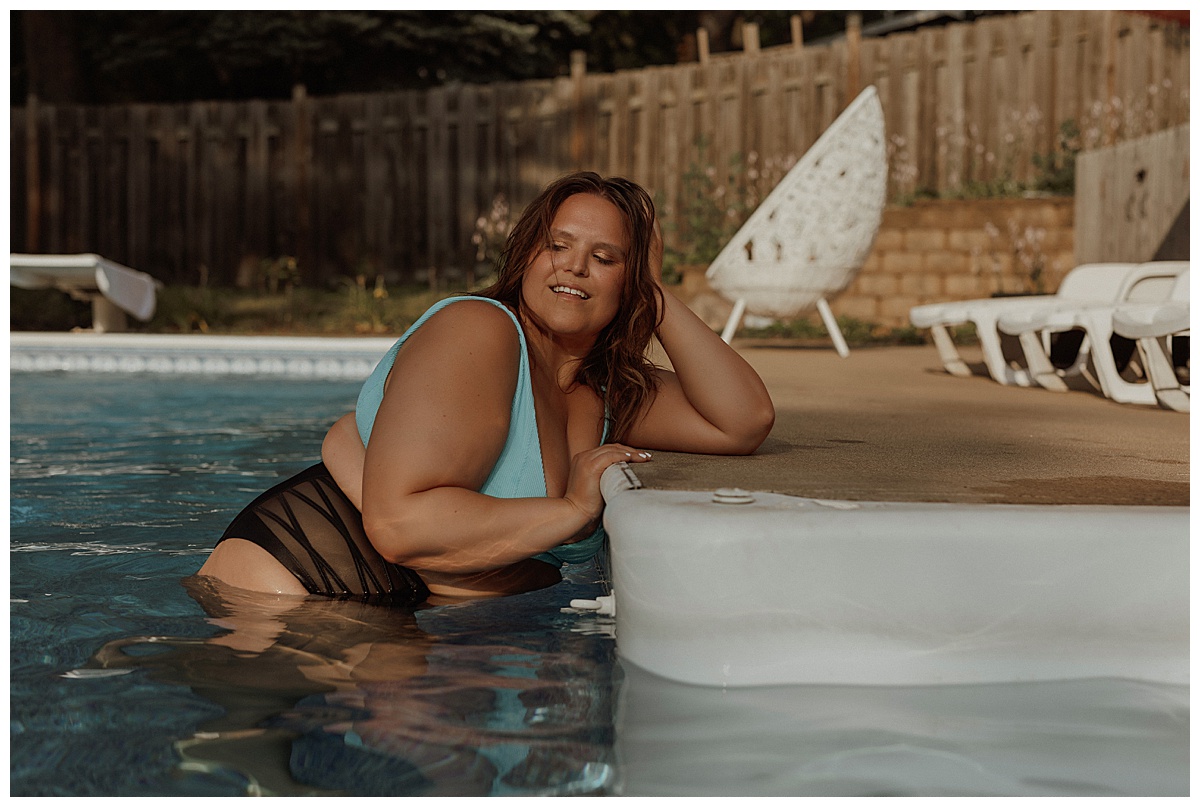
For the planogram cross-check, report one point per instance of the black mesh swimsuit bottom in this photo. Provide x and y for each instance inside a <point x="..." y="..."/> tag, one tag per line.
<point x="314" y="530"/>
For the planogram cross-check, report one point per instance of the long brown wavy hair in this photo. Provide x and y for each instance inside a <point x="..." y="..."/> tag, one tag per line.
<point x="616" y="368"/>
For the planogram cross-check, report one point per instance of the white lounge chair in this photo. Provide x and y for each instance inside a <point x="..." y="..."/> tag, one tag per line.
<point x="1154" y="282"/>
<point x="1158" y="330"/>
<point x="1087" y="283"/>
<point x="813" y="232"/>
<point x="114" y="290"/>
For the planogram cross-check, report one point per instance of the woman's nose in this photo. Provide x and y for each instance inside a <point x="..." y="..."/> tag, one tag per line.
<point x="577" y="263"/>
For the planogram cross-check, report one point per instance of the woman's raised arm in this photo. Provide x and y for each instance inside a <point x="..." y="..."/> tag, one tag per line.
<point x="714" y="402"/>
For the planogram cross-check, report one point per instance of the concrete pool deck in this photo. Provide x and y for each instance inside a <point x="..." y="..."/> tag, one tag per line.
<point x="889" y="424"/>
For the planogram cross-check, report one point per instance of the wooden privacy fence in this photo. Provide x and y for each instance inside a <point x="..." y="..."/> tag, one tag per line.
<point x="393" y="183"/>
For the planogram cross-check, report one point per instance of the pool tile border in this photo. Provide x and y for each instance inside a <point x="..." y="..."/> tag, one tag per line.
<point x="283" y="356"/>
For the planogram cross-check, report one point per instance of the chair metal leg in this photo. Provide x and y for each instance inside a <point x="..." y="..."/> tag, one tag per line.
<point x="735" y="319"/>
<point x="835" y="333"/>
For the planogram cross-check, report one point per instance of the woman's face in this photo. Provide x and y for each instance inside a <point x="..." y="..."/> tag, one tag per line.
<point x="574" y="286"/>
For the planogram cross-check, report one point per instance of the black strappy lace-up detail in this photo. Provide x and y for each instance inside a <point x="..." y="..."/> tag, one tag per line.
<point x="308" y="525"/>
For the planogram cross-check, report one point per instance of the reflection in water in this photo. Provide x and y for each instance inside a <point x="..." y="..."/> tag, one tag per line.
<point x="510" y="696"/>
<point x="337" y="697"/>
<point x="1061" y="738"/>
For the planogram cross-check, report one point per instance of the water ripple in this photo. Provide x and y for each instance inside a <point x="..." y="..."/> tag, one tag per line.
<point x="98" y="548"/>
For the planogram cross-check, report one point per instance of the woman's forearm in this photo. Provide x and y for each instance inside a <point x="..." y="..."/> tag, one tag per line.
<point x="448" y="529"/>
<point x="459" y="531"/>
<point x="453" y="529"/>
<point x="719" y="384"/>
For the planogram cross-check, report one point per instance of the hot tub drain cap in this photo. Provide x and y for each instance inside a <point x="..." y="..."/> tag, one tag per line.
<point x="732" y="496"/>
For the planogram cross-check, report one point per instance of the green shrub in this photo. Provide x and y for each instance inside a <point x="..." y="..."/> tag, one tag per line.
<point x="46" y="310"/>
<point x="189" y="309"/>
<point x="1056" y="170"/>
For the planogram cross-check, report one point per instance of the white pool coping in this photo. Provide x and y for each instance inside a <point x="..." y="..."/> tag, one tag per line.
<point x="747" y="588"/>
<point x="287" y="356"/>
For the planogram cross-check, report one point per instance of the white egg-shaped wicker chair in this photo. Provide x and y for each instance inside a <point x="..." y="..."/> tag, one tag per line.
<point x="808" y="239"/>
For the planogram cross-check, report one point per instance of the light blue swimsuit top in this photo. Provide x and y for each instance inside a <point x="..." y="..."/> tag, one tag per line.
<point x="518" y="473"/>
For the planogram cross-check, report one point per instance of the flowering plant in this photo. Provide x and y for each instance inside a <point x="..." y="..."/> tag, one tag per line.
<point x="714" y="205"/>
<point x="491" y="231"/>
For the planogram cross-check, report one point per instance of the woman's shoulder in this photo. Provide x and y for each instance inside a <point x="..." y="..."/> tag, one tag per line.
<point x="481" y="309"/>
<point x="476" y="316"/>
<point x="468" y="322"/>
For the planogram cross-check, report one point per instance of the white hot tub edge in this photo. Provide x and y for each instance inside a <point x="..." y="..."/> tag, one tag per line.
<point x="720" y="591"/>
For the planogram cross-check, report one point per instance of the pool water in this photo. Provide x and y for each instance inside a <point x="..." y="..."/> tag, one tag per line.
<point x="130" y="677"/>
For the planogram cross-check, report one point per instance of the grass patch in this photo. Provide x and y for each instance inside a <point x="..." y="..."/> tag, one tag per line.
<point x="355" y="309"/>
<point x="856" y="332"/>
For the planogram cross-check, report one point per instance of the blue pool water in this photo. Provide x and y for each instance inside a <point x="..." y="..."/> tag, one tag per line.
<point x="128" y="677"/>
<point x="125" y="681"/>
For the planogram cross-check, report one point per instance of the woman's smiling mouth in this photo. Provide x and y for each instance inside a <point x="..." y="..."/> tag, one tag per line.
<point x="569" y="290"/>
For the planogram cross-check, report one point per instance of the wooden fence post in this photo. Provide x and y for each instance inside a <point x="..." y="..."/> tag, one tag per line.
<point x="33" y="179"/>
<point x="853" y="56"/>
<point x="1110" y="70"/>
<point x="750" y="45"/>
<point x="437" y="196"/>
<point x="578" y="74"/>
<point x="702" y="45"/>
<point x="301" y="162"/>
<point x="797" y="32"/>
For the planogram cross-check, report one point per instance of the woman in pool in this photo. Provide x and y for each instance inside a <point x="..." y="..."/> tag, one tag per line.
<point x="487" y="426"/>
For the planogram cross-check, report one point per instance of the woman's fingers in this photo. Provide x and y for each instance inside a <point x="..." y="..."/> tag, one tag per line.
<point x="622" y="454"/>
<point x="583" y="486"/>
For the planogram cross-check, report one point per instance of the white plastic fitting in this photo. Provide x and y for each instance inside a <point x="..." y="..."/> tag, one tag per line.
<point x="605" y="606"/>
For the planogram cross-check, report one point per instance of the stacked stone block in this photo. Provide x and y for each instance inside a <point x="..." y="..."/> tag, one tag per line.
<point x="938" y="250"/>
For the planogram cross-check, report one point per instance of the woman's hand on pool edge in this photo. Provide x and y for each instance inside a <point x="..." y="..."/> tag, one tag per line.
<point x="583" y="483"/>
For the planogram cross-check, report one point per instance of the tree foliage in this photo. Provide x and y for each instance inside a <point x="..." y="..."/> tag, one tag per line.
<point x="147" y="56"/>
